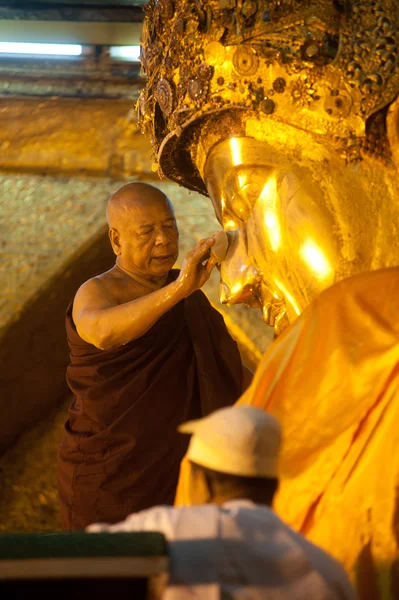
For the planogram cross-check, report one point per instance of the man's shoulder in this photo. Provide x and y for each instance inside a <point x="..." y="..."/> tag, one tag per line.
<point x="321" y="561"/>
<point x="176" y="512"/>
<point x="167" y="519"/>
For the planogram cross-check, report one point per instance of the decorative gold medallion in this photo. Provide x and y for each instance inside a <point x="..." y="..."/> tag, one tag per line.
<point x="245" y="61"/>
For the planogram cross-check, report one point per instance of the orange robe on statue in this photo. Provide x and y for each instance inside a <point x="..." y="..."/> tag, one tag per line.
<point x="332" y="379"/>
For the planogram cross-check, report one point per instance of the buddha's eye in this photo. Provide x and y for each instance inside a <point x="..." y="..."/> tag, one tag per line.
<point x="240" y="207"/>
<point x="244" y="190"/>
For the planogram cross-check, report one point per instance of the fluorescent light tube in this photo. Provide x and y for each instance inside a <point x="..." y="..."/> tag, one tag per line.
<point x="28" y="48"/>
<point x="125" y="53"/>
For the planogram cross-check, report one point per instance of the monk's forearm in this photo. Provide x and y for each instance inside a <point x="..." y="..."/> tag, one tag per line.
<point x="117" y="325"/>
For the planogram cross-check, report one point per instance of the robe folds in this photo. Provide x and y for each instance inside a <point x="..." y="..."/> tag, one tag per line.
<point x="121" y="450"/>
<point x="332" y="380"/>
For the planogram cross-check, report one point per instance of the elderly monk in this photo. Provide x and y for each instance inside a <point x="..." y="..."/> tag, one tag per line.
<point x="148" y="352"/>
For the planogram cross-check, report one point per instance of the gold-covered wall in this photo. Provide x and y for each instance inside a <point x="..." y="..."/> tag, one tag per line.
<point x="85" y="136"/>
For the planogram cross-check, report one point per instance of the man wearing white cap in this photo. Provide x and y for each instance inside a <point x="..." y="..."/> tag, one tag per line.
<point x="228" y="543"/>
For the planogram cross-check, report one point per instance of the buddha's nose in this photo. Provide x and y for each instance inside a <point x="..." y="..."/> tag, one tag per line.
<point x="240" y="281"/>
<point x="244" y="291"/>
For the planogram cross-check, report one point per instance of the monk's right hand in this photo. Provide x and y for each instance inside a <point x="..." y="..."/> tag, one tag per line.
<point x="196" y="268"/>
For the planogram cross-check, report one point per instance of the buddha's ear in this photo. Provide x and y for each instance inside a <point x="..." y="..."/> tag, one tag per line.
<point x="393" y="130"/>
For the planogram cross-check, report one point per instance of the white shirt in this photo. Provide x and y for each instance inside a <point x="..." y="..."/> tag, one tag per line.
<point x="239" y="551"/>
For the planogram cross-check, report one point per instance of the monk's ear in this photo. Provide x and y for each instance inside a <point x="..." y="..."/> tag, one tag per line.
<point x="393" y="130"/>
<point x="114" y="238"/>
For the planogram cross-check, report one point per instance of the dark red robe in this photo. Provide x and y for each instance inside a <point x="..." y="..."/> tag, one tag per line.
<point x="121" y="452"/>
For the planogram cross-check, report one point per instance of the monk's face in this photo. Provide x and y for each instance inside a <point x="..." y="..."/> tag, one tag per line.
<point x="149" y="237"/>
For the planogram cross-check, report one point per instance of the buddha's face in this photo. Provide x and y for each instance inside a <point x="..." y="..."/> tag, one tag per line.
<point x="315" y="78"/>
<point x="296" y="224"/>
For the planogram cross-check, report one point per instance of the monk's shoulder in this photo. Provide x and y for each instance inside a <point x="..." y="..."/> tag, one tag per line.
<point x="108" y="289"/>
<point x="99" y="290"/>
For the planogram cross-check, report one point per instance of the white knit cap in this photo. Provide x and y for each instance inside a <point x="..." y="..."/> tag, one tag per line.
<point x="239" y="440"/>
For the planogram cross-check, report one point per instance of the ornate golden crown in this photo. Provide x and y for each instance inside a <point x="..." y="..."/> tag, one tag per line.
<point x="328" y="67"/>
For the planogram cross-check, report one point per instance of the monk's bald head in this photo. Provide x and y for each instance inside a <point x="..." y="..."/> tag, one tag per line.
<point x="123" y="202"/>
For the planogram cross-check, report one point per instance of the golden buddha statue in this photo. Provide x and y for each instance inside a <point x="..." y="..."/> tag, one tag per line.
<point x="286" y="114"/>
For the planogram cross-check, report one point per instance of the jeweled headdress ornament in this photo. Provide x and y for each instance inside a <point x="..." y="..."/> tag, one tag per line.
<point x="324" y="66"/>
